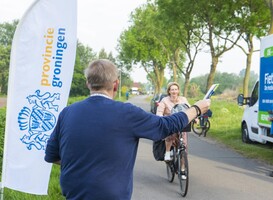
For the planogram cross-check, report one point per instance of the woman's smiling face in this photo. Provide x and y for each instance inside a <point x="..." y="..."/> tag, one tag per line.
<point x="174" y="91"/>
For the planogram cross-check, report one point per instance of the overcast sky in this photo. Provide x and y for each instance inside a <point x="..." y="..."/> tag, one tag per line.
<point x="100" y="23"/>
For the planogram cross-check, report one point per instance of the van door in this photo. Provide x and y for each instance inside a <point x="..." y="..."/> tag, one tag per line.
<point x="252" y="113"/>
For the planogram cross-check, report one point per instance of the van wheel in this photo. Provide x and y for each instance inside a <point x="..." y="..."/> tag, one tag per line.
<point x="245" y="135"/>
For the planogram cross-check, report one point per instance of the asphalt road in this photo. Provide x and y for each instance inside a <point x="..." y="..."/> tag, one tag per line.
<point x="216" y="172"/>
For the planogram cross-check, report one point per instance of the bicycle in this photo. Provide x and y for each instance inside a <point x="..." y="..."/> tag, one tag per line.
<point x="202" y="125"/>
<point x="179" y="163"/>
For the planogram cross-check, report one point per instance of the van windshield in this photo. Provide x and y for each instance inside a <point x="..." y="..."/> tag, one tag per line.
<point x="255" y="93"/>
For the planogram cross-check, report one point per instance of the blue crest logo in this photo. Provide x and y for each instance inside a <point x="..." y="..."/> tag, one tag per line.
<point x="36" y="121"/>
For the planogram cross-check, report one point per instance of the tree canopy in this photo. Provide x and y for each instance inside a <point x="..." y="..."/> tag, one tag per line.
<point x="169" y="34"/>
<point x="7" y="31"/>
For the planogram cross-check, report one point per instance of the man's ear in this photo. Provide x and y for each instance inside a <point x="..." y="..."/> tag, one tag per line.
<point x="116" y="83"/>
<point x="115" y="86"/>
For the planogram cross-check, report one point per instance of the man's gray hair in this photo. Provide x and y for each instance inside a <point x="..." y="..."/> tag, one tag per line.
<point x="101" y="74"/>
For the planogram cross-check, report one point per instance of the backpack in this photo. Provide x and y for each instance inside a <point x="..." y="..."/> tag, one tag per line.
<point x="159" y="150"/>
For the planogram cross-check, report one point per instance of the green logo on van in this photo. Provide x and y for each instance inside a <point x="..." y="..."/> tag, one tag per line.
<point x="268" y="52"/>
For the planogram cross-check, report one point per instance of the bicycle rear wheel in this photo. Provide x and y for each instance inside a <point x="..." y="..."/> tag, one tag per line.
<point x="183" y="172"/>
<point x="197" y="129"/>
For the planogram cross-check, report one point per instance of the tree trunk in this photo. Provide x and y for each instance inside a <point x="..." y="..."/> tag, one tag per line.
<point x="156" y="89"/>
<point x="157" y="81"/>
<point x="159" y="75"/>
<point x="246" y="78"/>
<point x="271" y="11"/>
<point x="174" y="72"/>
<point x="186" y="85"/>
<point x="248" y="66"/>
<point x="176" y="60"/>
<point x="152" y="78"/>
<point x="212" y="72"/>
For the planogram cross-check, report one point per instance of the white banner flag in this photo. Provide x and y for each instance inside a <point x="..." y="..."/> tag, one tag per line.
<point x="41" y="69"/>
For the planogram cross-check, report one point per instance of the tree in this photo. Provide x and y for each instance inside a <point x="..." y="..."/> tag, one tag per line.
<point x="210" y="21"/>
<point x="269" y="3"/>
<point x="4" y="67"/>
<point x="186" y="33"/>
<point x="254" y="20"/>
<point x="84" y="56"/>
<point x="226" y="81"/>
<point x="139" y="45"/>
<point x="219" y="20"/>
<point x="85" y="53"/>
<point x="103" y="54"/>
<point x="7" y="31"/>
<point x="253" y="77"/>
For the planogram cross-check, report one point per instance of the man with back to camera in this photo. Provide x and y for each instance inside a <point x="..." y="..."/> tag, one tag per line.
<point x="95" y="140"/>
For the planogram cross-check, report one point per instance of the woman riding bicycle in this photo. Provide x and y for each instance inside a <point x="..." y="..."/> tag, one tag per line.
<point x="164" y="108"/>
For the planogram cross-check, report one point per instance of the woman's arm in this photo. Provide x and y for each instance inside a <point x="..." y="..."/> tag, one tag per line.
<point x="161" y="108"/>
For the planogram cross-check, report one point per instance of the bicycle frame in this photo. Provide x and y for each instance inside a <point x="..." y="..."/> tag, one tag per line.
<point x="178" y="163"/>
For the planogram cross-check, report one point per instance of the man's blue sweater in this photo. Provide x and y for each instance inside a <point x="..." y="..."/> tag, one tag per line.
<point x="97" y="140"/>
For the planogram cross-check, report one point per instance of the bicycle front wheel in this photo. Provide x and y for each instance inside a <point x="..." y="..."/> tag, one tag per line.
<point x="196" y="128"/>
<point x="183" y="172"/>
<point x="170" y="171"/>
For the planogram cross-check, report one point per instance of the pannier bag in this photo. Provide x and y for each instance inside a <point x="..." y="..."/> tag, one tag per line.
<point x="159" y="150"/>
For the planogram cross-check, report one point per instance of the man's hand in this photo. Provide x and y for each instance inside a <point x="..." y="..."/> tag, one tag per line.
<point x="204" y="105"/>
<point x="200" y="107"/>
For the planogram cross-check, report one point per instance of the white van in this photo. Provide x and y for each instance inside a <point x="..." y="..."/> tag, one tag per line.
<point x="252" y="130"/>
<point x="135" y="90"/>
<point x="255" y="124"/>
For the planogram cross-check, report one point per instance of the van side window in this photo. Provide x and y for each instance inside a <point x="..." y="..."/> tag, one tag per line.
<point x="254" y="95"/>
